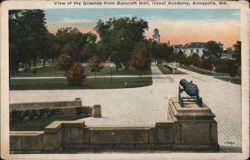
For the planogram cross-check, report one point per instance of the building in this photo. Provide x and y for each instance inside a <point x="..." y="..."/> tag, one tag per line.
<point x="191" y="48"/>
<point x="156" y="35"/>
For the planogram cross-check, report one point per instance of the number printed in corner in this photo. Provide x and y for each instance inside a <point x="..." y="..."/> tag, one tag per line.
<point x="229" y="142"/>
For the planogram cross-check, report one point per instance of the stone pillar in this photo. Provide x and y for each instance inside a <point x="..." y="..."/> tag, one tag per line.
<point x="96" y="111"/>
<point x="194" y="126"/>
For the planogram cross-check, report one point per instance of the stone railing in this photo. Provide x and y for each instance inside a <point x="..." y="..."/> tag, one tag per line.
<point x="190" y="127"/>
<point x="30" y="111"/>
<point x="40" y="105"/>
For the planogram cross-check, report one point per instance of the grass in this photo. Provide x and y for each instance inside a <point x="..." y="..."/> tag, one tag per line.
<point x="55" y="72"/>
<point x="92" y="83"/>
<point x="40" y="124"/>
<point x="106" y="71"/>
<point x="166" y="70"/>
<point x="41" y="72"/>
<point x="232" y="80"/>
<point x="203" y="72"/>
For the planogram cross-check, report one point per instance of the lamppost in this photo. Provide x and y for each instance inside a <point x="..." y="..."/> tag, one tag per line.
<point x="111" y="73"/>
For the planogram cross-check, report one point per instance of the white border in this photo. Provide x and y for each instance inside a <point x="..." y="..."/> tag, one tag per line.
<point x="6" y="5"/>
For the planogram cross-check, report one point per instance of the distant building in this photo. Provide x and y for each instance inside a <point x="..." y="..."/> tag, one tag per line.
<point x="178" y="47"/>
<point x="191" y="48"/>
<point x="156" y="35"/>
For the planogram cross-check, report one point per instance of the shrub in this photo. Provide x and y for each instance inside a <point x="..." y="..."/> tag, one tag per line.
<point x="64" y="62"/>
<point x="75" y="75"/>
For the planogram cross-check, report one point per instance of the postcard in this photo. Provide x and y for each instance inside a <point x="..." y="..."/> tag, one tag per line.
<point x="124" y="79"/>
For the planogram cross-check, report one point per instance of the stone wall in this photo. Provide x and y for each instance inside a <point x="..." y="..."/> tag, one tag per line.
<point x="30" y="111"/>
<point x="188" y="128"/>
<point x="40" y="105"/>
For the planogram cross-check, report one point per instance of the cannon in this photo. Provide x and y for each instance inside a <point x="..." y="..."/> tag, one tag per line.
<point x="191" y="90"/>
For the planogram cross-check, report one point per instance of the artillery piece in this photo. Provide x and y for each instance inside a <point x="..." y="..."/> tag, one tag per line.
<point x="191" y="90"/>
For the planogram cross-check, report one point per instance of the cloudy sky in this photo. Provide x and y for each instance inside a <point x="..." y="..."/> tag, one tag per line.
<point x="179" y="26"/>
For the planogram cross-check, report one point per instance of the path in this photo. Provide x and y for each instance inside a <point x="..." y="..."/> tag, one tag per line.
<point x="147" y="105"/>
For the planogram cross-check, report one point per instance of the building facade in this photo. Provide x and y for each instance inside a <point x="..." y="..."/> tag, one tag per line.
<point x="191" y="48"/>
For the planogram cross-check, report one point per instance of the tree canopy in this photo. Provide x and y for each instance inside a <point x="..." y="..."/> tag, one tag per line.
<point x="118" y="37"/>
<point x="28" y="37"/>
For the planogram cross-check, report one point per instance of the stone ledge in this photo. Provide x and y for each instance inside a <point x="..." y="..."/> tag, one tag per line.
<point x="191" y="111"/>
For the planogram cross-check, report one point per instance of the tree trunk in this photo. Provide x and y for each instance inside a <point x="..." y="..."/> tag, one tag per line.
<point x="44" y="62"/>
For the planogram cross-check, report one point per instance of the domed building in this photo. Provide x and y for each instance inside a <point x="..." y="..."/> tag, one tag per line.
<point x="156" y="35"/>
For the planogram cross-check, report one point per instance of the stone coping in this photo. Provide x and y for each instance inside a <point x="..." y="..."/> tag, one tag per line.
<point x="56" y="125"/>
<point x="190" y="111"/>
<point x="120" y="128"/>
<point x="41" y="105"/>
<point x="26" y="133"/>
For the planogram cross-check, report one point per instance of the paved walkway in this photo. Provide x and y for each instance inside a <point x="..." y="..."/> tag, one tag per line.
<point x="147" y="105"/>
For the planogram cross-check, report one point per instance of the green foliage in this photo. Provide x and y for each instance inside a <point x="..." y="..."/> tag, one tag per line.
<point x="205" y="63"/>
<point x="72" y="41"/>
<point x="194" y="59"/>
<point x="140" y="59"/>
<point x="237" y="52"/>
<point x="214" y="51"/>
<point x="75" y="75"/>
<point x="162" y="52"/>
<point x="28" y="37"/>
<point x="227" y="66"/>
<point x="118" y="37"/>
<point x="79" y="47"/>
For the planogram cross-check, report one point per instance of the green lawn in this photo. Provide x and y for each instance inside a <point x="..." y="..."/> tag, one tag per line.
<point x="203" y="72"/>
<point x="51" y="72"/>
<point x="98" y="83"/>
<point x="40" y="124"/>
<point x="121" y="71"/>
<point x="232" y="80"/>
<point x="166" y="70"/>
<point x="41" y="72"/>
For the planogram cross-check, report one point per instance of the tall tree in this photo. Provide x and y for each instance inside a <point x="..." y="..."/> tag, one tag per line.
<point x="237" y="52"/>
<point x="140" y="59"/>
<point x="119" y="37"/>
<point x="28" y="37"/>
<point x="214" y="51"/>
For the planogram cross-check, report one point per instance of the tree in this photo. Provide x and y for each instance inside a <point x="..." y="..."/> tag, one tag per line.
<point x="118" y="37"/>
<point x="140" y="59"/>
<point x="96" y="64"/>
<point x="74" y="48"/>
<point x="181" y="58"/>
<point x="73" y="42"/>
<point x="227" y="66"/>
<point x="64" y="62"/>
<point x="194" y="59"/>
<point x="28" y="37"/>
<point x="237" y="52"/>
<point x="214" y="51"/>
<point x="75" y="75"/>
<point x="205" y="63"/>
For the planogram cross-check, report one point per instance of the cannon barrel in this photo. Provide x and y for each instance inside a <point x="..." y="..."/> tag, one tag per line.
<point x="190" y="88"/>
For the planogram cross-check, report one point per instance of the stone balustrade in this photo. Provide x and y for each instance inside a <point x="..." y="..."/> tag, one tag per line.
<point x="190" y="127"/>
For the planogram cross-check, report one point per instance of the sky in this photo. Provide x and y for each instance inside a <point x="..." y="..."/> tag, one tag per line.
<point x="179" y="26"/>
